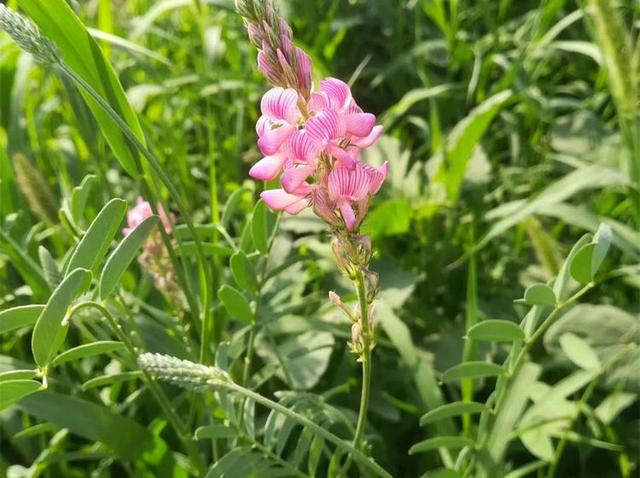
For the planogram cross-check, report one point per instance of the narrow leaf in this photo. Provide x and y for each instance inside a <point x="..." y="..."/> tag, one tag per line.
<point x="259" y="227"/>
<point x="440" y="442"/>
<point x="95" y="243"/>
<point x="108" y="380"/>
<point x="49" y="333"/>
<point x="213" y="432"/>
<point x="124" y="436"/>
<point x="79" y="197"/>
<point x="82" y="54"/>
<point x="472" y="370"/>
<point x="21" y="316"/>
<point x="452" y="410"/>
<point x="579" y="352"/>
<point x="13" y="390"/>
<point x="123" y="255"/>
<point x="243" y="271"/>
<point x="87" y="350"/>
<point x="237" y="306"/>
<point x="496" y="330"/>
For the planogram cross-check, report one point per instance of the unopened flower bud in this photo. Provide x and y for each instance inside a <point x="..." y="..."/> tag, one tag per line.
<point x="337" y="300"/>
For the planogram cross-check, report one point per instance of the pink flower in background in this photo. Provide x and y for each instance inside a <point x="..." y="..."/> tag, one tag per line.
<point x="143" y="211"/>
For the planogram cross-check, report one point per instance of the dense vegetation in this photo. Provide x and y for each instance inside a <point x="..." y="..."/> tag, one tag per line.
<point x="506" y="241"/>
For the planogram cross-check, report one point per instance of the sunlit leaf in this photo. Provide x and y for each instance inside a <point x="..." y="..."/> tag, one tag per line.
<point x="579" y="352"/>
<point x="21" y="316"/>
<point x="123" y="255"/>
<point x="236" y="304"/>
<point x="49" y="332"/>
<point x="94" y="244"/>
<point x="496" y="330"/>
<point x="472" y="370"/>
<point x="452" y="410"/>
<point x="540" y="294"/>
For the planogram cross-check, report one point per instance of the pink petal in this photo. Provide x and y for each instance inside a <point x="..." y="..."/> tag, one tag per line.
<point x="348" y="215"/>
<point x="296" y="207"/>
<point x="279" y="104"/>
<point x="302" y="147"/>
<point x="279" y="199"/>
<point x="338" y="91"/>
<point x="352" y="185"/>
<point x="324" y="126"/>
<point x="267" y="168"/>
<point x="360" y="124"/>
<point x="376" y="132"/>
<point x="345" y="158"/>
<point x="271" y="139"/>
<point x="318" y="101"/>
<point x="294" y="177"/>
<point x="376" y="176"/>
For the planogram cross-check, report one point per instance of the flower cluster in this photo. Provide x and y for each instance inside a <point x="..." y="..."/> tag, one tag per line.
<point x="155" y="258"/>
<point x="315" y="145"/>
<point x="312" y="141"/>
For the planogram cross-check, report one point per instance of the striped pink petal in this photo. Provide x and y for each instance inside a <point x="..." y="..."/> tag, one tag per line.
<point x="267" y="168"/>
<point x="280" y="105"/>
<point x="348" y="184"/>
<point x="376" y="176"/>
<point x="325" y="126"/>
<point x="302" y="147"/>
<point x="338" y="92"/>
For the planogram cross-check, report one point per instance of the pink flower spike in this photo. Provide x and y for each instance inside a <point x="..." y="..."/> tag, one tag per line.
<point x="141" y="212"/>
<point x="279" y="199"/>
<point x="267" y="168"/>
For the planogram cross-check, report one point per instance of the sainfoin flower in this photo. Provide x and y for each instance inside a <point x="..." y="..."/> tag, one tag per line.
<point x="155" y="258"/>
<point x="314" y="145"/>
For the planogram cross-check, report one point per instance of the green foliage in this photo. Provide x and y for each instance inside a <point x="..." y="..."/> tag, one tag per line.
<point x="511" y="133"/>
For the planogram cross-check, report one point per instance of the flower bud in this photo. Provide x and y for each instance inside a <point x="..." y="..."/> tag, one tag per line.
<point x="337" y="300"/>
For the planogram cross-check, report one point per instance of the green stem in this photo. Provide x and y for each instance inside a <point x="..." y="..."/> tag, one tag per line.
<point x="366" y="359"/>
<point x="154" y="388"/>
<point x="366" y="462"/>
